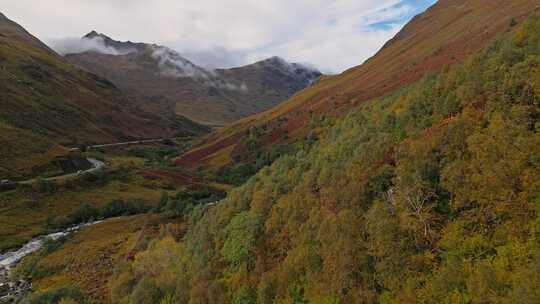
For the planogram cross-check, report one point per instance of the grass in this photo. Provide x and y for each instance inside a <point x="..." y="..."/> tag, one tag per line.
<point x="21" y="152"/>
<point x="87" y="259"/>
<point x="24" y="213"/>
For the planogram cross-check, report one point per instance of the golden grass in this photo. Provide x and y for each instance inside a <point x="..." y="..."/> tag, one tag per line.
<point x="220" y="159"/>
<point x="87" y="259"/>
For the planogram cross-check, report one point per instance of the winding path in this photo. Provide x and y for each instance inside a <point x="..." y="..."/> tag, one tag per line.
<point x="135" y="142"/>
<point x="96" y="165"/>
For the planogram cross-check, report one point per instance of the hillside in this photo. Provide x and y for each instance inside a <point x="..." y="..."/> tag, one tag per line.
<point x="21" y="151"/>
<point x="428" y="195"/>
<point x="445" y="34"/>
<point x="162" y="77"/>
<point x="44" y="97"/>
<point x="38" y="85"/>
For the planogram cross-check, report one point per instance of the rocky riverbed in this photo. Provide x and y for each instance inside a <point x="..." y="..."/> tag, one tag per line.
<point x="11" y="291"/>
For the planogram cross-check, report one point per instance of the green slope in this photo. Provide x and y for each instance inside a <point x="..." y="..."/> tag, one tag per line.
<point x="430" y="195"/>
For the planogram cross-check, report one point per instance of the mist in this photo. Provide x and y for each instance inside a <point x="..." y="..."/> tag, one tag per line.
<point x="172" y="64"/>
<point x="81" y="45"/>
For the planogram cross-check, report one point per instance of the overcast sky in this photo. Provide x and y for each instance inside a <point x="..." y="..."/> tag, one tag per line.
<point x="331" y="35"/>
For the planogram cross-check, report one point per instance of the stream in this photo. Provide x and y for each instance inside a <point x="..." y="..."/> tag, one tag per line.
<point x="11" y="291"/>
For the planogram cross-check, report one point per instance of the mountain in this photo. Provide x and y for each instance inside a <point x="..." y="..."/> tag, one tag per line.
<point x="426" y="195"/>
<point x="42" y="96"/>
<point x="161" y="76"/>
<point x="445" y="34"/>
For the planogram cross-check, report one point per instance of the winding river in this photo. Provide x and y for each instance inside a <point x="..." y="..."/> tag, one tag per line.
<point x="11" y="290"/>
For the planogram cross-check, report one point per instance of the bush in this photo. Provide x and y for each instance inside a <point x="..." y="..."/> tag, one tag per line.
<point x="84" y="213"/>
<point x="26" y="268"/>
<point x="58" y="222"/>
<point x="55" y="296"/>
<point x="87" y="213"/>
<point x="41" y="185"/>
<point x="120" y="208"/>
<point x="245" y="295"/>
<point x="145" y="292"/>
<point x="184" y="201"/>
<point x="237" y="174"/>
<point x="50" y="245"/>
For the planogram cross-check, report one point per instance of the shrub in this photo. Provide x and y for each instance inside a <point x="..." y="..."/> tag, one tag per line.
<point x="245" y="295"/>
<point x="41" y="185"/>
<point x="84" y="213"/>
<point x="55" y="296"/>
<point x="50" y="245"/>
<point x="145" y="292"/>
<point x="58" y="222"/>
<point x="120" y="208"/>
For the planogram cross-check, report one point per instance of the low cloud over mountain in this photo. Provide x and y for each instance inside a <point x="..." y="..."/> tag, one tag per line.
<point x="162" y="76"/>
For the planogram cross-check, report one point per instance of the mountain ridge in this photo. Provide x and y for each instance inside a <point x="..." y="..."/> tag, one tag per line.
<point x="446" y="33"/>
<point x="208" y="96"/>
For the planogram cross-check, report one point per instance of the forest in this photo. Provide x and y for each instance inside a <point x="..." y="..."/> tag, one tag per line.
<point x="430" y="195"/>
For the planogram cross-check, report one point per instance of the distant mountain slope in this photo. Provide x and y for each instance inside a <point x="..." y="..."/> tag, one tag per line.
<point x="162" y="77"/>
<point x="446" y="33"/>
<point x="43" y="95"/>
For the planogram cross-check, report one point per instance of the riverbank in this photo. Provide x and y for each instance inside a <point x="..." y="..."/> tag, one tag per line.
<point x="86" y="260"/>
<point x="11" y="290"/>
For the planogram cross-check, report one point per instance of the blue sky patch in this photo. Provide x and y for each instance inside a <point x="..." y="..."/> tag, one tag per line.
<point x="414" y="7"/>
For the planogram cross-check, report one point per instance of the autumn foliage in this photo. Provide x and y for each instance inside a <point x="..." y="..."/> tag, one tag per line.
<point x="429" y="195"/>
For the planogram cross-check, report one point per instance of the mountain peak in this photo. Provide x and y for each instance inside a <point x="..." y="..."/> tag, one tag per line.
<point x="274" y="60"/>
<point x="119" y="46"/>
<point x="108" y="40"/>
<point x="92" y="34"/>
<point x="297" y="70"/>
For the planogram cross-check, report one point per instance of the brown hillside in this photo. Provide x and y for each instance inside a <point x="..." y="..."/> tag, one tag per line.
<point x="42" y="93"/>
<point x="446" y="33"/>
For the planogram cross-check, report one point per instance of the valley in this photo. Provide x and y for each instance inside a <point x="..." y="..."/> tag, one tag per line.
<point x="134" y="175"/>
<point x="174" y="84"/>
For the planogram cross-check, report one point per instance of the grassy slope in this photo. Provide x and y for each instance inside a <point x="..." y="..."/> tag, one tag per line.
<point x="429" y="195"/>
<point x="87" y="259"/>
<point x="445" y="34"/>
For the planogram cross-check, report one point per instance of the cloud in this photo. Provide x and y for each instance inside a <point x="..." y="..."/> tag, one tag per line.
<point x="216" y="57"/>
<point x="331" y="34"/>
<point x="78" y="45"/>
<point x="172" y="64"/>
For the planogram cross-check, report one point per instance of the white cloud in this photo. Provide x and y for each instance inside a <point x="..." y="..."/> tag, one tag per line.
<point x="78" y="45"/>
<point x="331" y="34"/>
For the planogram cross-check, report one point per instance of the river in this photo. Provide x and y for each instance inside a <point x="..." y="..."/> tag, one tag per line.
<point x="10" y="290"/>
